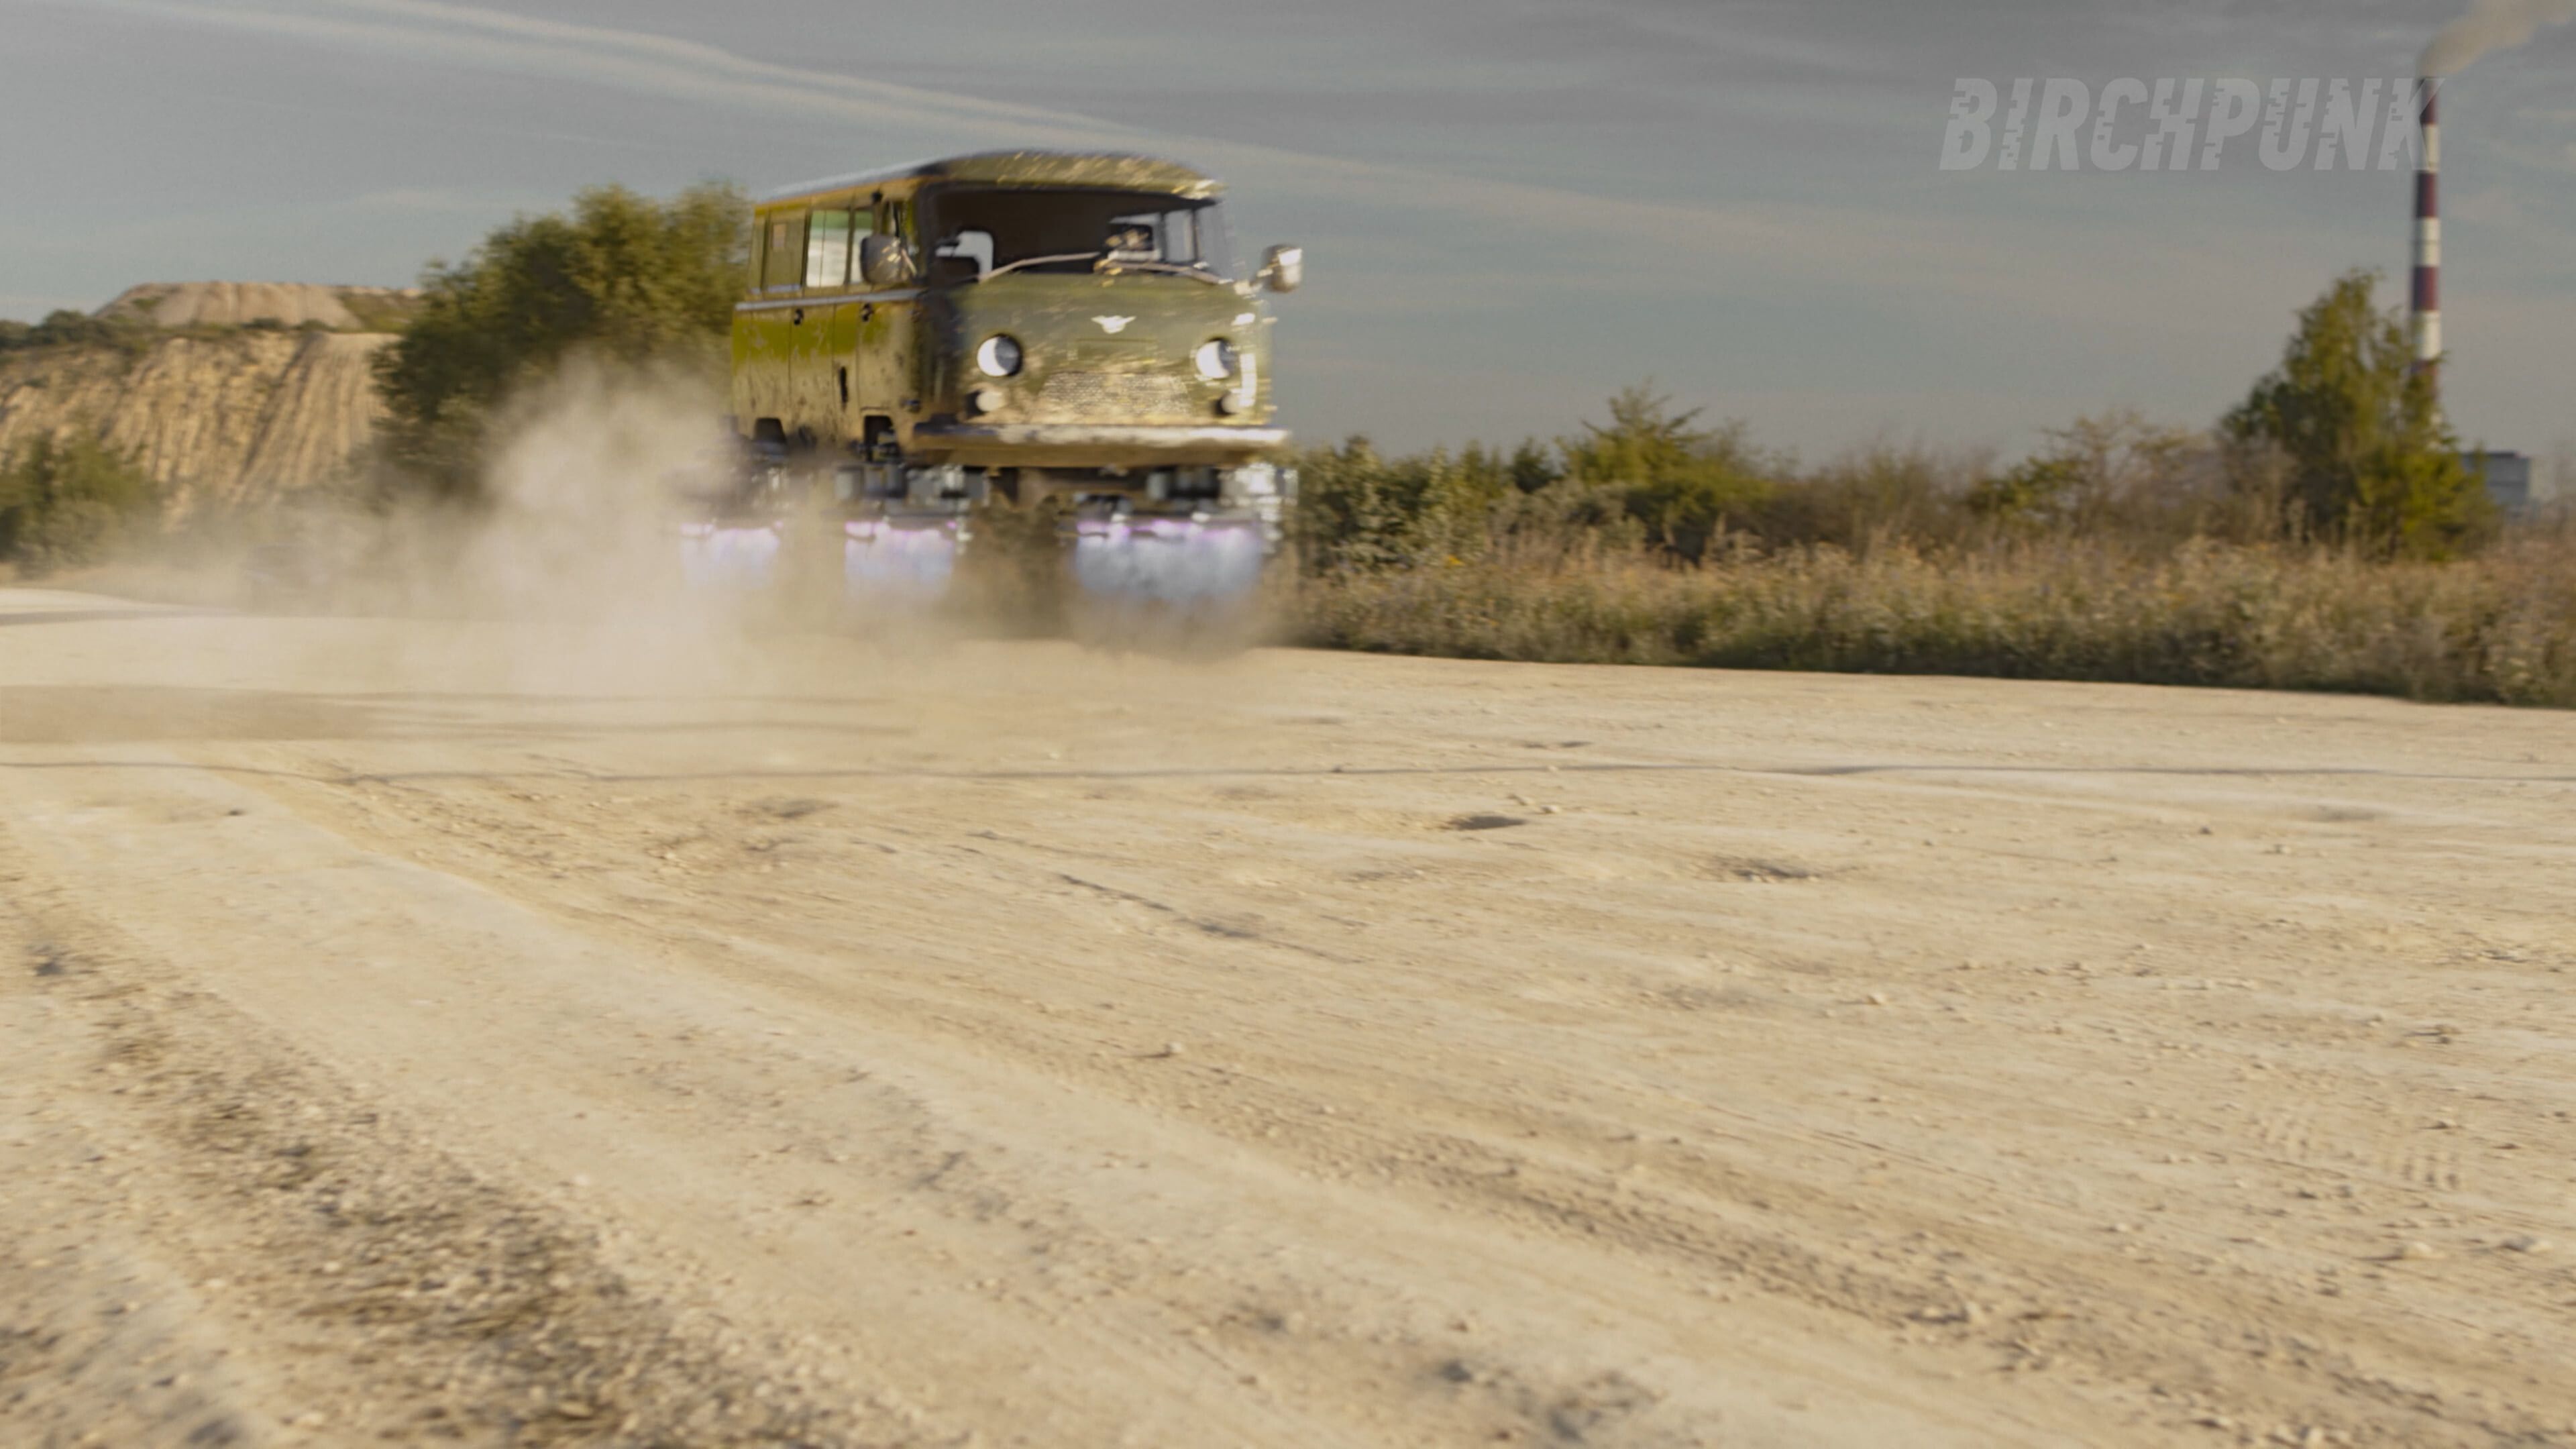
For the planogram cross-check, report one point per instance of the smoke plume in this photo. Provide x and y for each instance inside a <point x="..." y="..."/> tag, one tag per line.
<point x="2490" y="26"/>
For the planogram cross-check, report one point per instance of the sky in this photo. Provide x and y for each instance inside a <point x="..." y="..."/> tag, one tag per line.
<point x="1511" y="208"/>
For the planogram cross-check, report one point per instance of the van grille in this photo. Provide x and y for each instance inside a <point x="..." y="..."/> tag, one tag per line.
<point x="1104" y="396"/>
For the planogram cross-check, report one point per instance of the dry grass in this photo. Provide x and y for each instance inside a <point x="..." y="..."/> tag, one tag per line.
<point x="2500" y="628"/>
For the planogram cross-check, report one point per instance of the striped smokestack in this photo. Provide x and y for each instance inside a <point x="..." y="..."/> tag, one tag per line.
<point x="2428" y="233"/>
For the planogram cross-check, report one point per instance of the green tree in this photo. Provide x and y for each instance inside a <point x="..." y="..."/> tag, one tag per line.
<point x="2095" y="474"/>
<point x="1528" y="468"/>
<point x="66" y="502"/>
<point x="1681" y="482"/>
<point x="1357" y="509"/>
<point x="66" y="328"/>
<point x="623" y="276"/>
<point x="2360" y="429"/>
<point x="1534" y="466"/>
<point x="2035" y="493"/>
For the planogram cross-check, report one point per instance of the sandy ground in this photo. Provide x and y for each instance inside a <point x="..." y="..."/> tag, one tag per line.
<point x="434" y="1032"/>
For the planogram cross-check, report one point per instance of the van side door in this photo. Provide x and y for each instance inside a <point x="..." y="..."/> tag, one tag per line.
<point x="885" y="328"/>
<point x="825" y="328"/>
<point x="765" y="334"/>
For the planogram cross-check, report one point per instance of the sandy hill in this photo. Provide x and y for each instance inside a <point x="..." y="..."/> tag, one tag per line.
<point x="288" y="304"/>
<point x="222" y="414"/>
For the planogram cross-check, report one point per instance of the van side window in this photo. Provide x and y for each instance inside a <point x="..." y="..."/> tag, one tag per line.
<point x="784" y="258"/>
<point x="827" y="250"/>
<point x="863" y="221"/>
<point x="1171" y="236"/>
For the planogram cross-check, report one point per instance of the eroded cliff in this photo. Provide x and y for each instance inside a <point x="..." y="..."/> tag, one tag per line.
<point x="219" y="419"/>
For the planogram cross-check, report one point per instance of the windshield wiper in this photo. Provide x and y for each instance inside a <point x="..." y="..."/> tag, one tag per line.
<point x="1101" y="262"/>
<point x="1040" y="262"/>
<point x="1178" y="269"/>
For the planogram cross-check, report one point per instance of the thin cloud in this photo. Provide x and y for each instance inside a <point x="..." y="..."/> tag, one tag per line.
<point x="433" y="201"/>
<point x="464" y="128"/>
<point x="1667" y="247"/>
<point x="667" y="60"/>
<point x="625" y="59"/>
<point x="1803" y="239"/>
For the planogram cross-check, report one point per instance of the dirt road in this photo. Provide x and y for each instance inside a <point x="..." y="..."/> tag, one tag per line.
<point x="424" y="1032"/>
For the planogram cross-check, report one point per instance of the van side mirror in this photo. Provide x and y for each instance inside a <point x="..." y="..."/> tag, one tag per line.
<point x="1283" y="269"/>
<point x="886" y="261"/>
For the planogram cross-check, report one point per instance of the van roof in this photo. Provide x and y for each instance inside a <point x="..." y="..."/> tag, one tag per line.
<point x="1028" y="168"/>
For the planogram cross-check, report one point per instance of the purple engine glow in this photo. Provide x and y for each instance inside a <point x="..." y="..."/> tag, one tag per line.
<point x="1167" y="560"/>
<point x="881" y="561"/>
<point x="716" y="557"/>
<point x="1146" y="560"/>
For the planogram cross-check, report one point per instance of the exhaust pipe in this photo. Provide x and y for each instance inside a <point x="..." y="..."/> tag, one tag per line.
<point x="2428" y="234"/>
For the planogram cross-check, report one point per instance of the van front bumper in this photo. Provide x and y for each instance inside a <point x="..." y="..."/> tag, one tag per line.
<point x="1089" y="444"/>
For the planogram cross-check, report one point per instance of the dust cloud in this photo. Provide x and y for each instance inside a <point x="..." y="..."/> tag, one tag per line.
<point x="568" y="578"/>
<point x="578" y="535"/>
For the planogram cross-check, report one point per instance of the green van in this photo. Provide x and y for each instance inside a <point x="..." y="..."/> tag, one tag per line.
<point x="1015" y="327"/>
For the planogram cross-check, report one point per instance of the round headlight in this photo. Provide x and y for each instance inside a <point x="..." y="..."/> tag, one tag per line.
<point x="1215" y="359"/>
<point x="998" y="357"/>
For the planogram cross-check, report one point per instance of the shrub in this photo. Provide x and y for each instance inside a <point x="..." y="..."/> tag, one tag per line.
<point x="2501" y="630"/>
<point x="2122" y="551"/>
<point x="1683" y="485"/>
<point x="640" y="281"/>
<point x="379" y="312"/>
<point x="1358" y="510"/>
<point x="67" y="502"/>
<point x="66" y="328"/>
<point x="1881" y="494"/>
<point x="1647" y="476"/>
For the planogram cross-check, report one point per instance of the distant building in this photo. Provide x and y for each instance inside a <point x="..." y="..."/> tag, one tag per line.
<point x="2508" y="478"/>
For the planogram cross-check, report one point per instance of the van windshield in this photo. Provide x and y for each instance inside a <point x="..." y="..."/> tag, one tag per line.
<point x="984" y="231"/>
